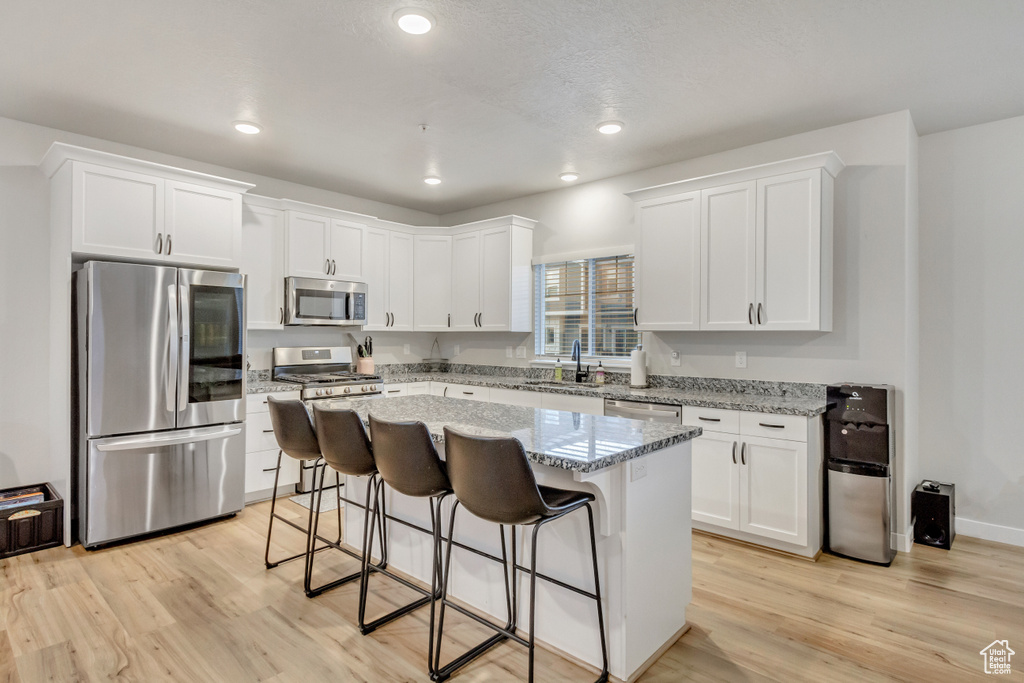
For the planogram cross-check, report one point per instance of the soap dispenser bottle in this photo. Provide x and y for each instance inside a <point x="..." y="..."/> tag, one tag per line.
<point x="600" y="373"/>
<point x="558" y="370"/>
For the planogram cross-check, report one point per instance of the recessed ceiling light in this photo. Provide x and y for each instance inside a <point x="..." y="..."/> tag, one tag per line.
<point x="609" y="127"/>
<point x="414" y="21"/>
<point x="432" y="180"/>
<point x="569" y="177"/>
<point x="247" y="127"/>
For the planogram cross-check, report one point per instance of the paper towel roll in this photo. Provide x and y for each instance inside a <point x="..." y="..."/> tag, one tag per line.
<point x="638" y="367"/>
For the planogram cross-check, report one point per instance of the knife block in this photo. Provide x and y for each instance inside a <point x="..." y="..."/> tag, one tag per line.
<point x="364" y="366"/>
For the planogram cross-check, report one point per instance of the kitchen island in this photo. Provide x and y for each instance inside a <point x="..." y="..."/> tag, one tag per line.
<point x="640" y="474"/>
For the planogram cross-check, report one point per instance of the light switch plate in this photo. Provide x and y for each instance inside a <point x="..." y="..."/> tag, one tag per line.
<point x="520" y="352"/>
<point x="638" y="469"/>
<point x="675" y="361"/>
<point x="508" y="352"/>
<point x="741" y="359"/>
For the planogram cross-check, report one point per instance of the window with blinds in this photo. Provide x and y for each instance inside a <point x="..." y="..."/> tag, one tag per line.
<point x="590" y="300"/>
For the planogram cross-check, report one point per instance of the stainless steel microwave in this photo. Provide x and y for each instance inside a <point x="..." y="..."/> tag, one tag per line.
<point x="308" y="301"/>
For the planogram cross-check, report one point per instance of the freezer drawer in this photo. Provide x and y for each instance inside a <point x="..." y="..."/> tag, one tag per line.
<point x="858" y="514"/>
<point x="137" y="484"/>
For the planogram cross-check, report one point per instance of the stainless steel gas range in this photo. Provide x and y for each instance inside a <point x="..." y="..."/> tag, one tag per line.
<point x="322" y="372"/>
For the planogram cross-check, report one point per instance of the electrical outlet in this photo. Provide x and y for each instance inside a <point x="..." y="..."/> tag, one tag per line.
<point x="456" y="349"/>
<point x="520" y="352"/>
<point x="675" y="361"/>
<point x="637" y="469"/>
<point x="508" y="352"/>
<point x="741" y="359"/>
<point x="405" y="349"/>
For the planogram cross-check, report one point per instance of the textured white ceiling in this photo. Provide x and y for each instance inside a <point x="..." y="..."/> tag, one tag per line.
<point x="511" y="90"/>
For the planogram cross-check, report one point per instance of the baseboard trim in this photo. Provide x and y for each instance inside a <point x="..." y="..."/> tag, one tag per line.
<point x="990" y="532"/>
<point x="903" y="542"/>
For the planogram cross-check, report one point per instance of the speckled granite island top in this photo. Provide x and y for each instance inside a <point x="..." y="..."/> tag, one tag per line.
<point x="571" y="441"/>
<point x="756" y="403"/>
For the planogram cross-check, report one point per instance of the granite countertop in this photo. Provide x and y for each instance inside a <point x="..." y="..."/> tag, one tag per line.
<point x="571" y="441"/>
<point x="758" y="403"/>
<point x="269" y="387"/>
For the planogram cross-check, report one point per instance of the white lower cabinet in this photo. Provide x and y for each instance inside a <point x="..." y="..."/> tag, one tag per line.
<point x="261" y="450"/>
<point x="465" y="391"/>
<point x="589" y="405"/>
<point x="759" y="489"/>
<point x="392" y="390"/>
<point x="515" y="397"/>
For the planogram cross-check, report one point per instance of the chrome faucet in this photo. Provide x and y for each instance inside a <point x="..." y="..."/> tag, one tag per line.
<point x="577" y="355"/>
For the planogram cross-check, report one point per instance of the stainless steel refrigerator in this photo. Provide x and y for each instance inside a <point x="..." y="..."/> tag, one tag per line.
<point x="160" y="393"/>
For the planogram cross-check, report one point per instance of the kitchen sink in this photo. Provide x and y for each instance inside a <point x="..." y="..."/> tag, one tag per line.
<point x="562" y="385"/>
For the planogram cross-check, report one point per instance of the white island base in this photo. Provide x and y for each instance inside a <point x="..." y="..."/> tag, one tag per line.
<point x="642" y="516"/>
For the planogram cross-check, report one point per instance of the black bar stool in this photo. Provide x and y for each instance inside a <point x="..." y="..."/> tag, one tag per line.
<point x="409" y="464"/>
<point x="493" y="480"/>
<point x="296" y="438"/>
<point x="346" y="450"/>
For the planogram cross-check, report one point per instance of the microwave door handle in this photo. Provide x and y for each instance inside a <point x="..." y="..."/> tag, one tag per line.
<point x="183" y="365"/>
<point x="172" y="346"/>
<point x="350" y="306"/>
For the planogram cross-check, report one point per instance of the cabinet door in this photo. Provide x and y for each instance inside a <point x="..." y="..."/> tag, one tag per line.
<point x="668" y="263"/>
<point x="116" y="213"/>
<point x="400" y="281"/>
<point x="346" y="251"/>
<point x="308" y="245"/>
<point x="495" y="279"/>
<point x="203" y="224"/>
<point x="716" y="471"/>
<point x="433" y="274"/>
<point x="392" y="390"/>
<point x="773" y="489"/>
<point x="727" y="257"/>
<point x="465" y="279"/>
<point x="789" y="252"/>
<point x="418" y="388"/>
<point x="375" y="271"/>
<point x="263" y="263"/>
<point x="515" y="397"/>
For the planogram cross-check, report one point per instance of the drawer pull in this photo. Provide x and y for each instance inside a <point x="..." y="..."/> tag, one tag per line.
<point x="268" y="431"/>
<point x="467" y="393"/>
<point x="270" y="469"/>
<point x="771" y="426"/>
<point x="709" y="419"/>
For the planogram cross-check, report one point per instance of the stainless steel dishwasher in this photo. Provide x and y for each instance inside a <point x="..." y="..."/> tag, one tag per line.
<point x="649" y="412"/>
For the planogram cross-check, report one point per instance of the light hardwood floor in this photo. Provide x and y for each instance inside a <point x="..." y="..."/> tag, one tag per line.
<point x="199" y="606"/>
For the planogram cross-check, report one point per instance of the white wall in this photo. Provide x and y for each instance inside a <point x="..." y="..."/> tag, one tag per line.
<point x="972" y="323"/>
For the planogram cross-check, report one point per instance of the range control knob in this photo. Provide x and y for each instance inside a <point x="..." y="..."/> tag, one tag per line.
<point x="348" y="390"/>
<point x="329" y="392"/>
<point x="319" y="392"/>
<point x="362" y="387"/>
<point x="373" y="387"/>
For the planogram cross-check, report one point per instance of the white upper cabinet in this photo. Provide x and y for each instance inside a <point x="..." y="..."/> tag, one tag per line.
<point x="432" y="273"/>
<point x="465" y="280"/>
<point x="375" y="265"/>
<point x="668" y="284"/>
<point x="263" y="264"/>
<point x="727" y="257"/>
<point x="794" y="252"/>
<point x="203" y="225"/>
<point x="492" y="277"/>
<point x="764" y="243"/>
<point x="320" y="246"/>
<point x="400" y="281"/>
<point x="129" y="209"/>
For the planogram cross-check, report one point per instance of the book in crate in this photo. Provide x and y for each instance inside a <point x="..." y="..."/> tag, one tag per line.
<point x="18" y="498"/>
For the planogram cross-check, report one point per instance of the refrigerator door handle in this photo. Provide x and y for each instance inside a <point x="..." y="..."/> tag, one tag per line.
<point x="183" y="365"/>
<point x="131" y="443"/>
<point x="172" y="346"/>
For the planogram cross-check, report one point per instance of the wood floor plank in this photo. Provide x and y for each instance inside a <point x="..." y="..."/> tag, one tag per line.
<point x="200" y="605"/>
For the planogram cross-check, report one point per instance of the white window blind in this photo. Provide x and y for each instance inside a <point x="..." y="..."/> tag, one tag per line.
<point x="590" y="300"/>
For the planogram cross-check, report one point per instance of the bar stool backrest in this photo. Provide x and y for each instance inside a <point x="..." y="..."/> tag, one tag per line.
<point x="343" y="441"/>
<point x="293" y="429"/>
<point x="406" y="458"/>
<point x="492" y="478"/>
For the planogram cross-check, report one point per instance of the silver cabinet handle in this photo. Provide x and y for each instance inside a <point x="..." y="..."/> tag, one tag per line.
<point x="327" y="266"/>
<point x="268" y="431"/>
<point x="160" y="243"/>
<point x="709" y="419"/>
<point x="449" y="320"/>
<point x="334" y="266"/>
<point x="168" y="245"/>
<point x="750" y="314"/>
<point x="759" y="321"/>
<point x="733" y="452"/>
<point x="771" y="426"/>
<point x="270" y="469"/>
<point x="743" y="453"/>
<point x="467" y="393"/>
<point x="635" y="312"/>
<point x="282" y="315"/>
<point x="445" y="391"/>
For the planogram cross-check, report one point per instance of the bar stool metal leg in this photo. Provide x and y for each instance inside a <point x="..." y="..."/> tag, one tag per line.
<point x="274" y="515"/>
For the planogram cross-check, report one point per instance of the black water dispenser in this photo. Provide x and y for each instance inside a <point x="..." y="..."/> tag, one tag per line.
<point x="859" y="448"/>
